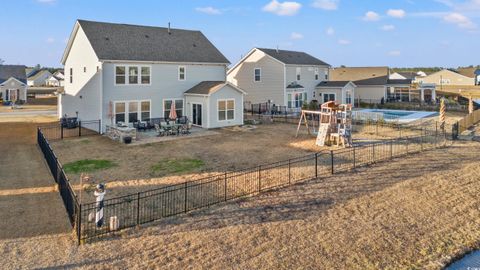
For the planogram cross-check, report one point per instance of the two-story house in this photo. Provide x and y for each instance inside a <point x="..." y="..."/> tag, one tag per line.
<point x="128" y="73"/>
<point x="284" y="78"/>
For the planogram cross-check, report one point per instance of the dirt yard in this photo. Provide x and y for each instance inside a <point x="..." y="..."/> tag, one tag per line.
<point x="229" y="149"/>
<point x="29" y="203"/>
<point x="420" y="212"/>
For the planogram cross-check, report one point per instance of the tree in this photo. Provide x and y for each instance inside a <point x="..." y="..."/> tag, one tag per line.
<point x="2" y="61"/>
<point x="37" y="66"/>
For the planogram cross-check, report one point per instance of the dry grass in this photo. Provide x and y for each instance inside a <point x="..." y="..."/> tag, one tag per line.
<point x="416" y="213"/>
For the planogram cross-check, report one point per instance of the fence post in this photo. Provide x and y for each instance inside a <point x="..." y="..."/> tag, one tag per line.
<point x="316" y="165"/>
<point x="79" y="223"/>
<point x="225" y="186"/>
<point x="406" y="137"/>
<point x="61" y="131"/>
<point x="331" y="159"/>
<point x="373" y="152"/>
<point x="185" y="195"/>
<point x="376" y="128"/>
<point x="421" y="141"/>
<point x="138" y="208"/>
<point x="99" y="126"/>
<point x="79" y="128"/>
<point x="259" y="178"/>
<point x="354" y="162"/>
<point x="391" y="149"/>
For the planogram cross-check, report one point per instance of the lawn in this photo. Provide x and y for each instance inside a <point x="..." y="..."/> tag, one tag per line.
<point x="87" y="165"/>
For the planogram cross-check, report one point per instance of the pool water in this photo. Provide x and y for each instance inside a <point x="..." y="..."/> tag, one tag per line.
<point x="470" y="261"/>
<point x="392" y="114"/>
<point x="399" y="116"/>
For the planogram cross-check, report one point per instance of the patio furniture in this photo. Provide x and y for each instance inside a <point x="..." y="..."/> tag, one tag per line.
<point x="139" y="125"/>
<point x="160" y="130"/>
<point x="69" y="122"/>
<point x="185" y="128"/>
<point x="182" y="120"/>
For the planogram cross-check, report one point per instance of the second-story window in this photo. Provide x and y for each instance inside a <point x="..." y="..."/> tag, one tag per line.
<point x="71" y="75"/>
<point x="298" y="73"/>
<point x="132" y="75"/>
<point x="120" y="75"/>
<point x="316" y="74"/>
<point x="258" y="74"/>
<point x="182" y="73"/>
<point x="326" y="77"/>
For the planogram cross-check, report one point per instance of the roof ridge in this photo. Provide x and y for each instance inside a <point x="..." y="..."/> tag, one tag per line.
<point x="137" y="25"/>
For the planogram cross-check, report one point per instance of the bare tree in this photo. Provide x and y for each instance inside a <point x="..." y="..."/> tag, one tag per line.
<point x="2" y="61"/>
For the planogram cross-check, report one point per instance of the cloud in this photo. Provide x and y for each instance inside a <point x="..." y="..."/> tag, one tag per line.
<point x="371" y="16"/>
<point x="296" y="35"/>
<point x="396" y="13"/>
<point x="460" y="20"/>
<point x="388" y="27"/>
<point x="394" y="53"/>
<point x="326" y="4"/>
<point x="330" y="31"/>
<point x="282" y="9"/>
<point x="208" y="10"/>
<point x="50" y="40"/>
<point x="344" y="42"/>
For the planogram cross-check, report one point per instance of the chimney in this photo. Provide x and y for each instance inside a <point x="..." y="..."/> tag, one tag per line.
<point x="169" y="32"/>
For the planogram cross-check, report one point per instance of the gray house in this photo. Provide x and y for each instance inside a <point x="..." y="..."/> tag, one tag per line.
<point x="128" y="73"/>
<point x="285" y="78"/>
<point x="13" y="83"/>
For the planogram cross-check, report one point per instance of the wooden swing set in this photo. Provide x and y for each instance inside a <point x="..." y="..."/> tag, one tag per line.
<point x="334" y="124"/>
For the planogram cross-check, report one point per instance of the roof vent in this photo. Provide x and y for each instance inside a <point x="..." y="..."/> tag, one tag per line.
<point x="169" y="32"/>
<point x="107" y="38"/>
<point x="147" y="36"/>
<point x="194" y="45"/>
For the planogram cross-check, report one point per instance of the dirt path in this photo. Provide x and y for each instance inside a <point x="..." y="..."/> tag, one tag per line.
<point x="416" y="213"/>
<point x="29" y="204"/>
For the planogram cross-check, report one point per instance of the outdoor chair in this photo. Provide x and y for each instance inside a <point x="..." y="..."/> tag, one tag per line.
<point x="69" y="122"/>
<point x="185" y="129"/>
<point x="182" y="120"/>
<point x="140" y="125"/>
<point x="160" y="131"/>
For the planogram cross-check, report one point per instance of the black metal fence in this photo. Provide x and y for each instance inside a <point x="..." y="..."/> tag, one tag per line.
<point x="265" y="108"/>
<point x="143" y="207"/>
<point x="84" y="128"/>
<point x="66" y="191"/>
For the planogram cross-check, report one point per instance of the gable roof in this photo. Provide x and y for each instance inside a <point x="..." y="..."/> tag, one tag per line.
<point x="468" y="72"/>
<point x="15" y="71"/>
<point x="293" y="57"/>
<point x="399" y="81"/>
<point x="209" y="87"/>
<point x="125" y="42"/>
<point x="335" y="84"/>
<point x="37" y="73"/>
<point x="383" y="80"/>
<point x="448" y="71"/>
<point x="357" y="73"/>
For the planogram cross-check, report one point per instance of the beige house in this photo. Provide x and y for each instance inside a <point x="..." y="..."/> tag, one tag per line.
<point x="339" y="91"/>
<point x="280" y="77"/>
<point x="446" y="77"/>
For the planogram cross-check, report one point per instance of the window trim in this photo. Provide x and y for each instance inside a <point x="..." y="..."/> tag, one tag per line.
<point x="184" y="73"/>
<point x="226" y="109"/>
<point x="329" y="93"/>
<point x="127" y="81"/>
<point x="127" y="111"/>
<point x="173" y="99"/>
<point x="316" y="74"/>
<point x="293" y="101"/>
<point x="255" y="76"/>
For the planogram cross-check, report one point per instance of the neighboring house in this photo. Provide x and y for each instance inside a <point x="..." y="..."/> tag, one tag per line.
<point x="477" y="77"/>
<point x="54" y="81"/>
<point x="285" y="78"/>
<point x="446" y="77"/>
<point x="339" y="91"/>
<point x="125" y="73"/>
<point x="403" y="76"/>
<point x="472" y="72"/>
<point x="38" y="77"/>
<point x="59" y="74"/>
<point x="13" y="83"/>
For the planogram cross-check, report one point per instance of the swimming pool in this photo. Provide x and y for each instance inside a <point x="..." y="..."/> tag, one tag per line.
<point x="392" y="115"/>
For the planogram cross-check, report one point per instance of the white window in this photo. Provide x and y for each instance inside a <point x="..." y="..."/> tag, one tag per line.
<point x="226" y="109"/>
<point x="326" y="77"/>
<point x="328" y="97"/>
<point x="132" y="111"/>
<point x="316" y="74"/>
<point x="182" y="73"/>
<point x="132" y="75"/>
<point x="258" y="75"/>
<point x="167" y="106"/>
<point x="296" y="100"/>
<point x="299" y="70"/>
<point x="348" y="97"/>
<point x="444" y="81"/>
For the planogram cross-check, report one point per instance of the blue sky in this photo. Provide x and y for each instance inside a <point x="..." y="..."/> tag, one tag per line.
<point x="397" y="33"/>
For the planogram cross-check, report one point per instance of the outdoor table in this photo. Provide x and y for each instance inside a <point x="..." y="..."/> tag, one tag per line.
<point x="173" y="126"/>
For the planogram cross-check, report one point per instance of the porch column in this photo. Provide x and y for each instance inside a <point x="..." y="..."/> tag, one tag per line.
<point x="434" y="95"/>
<point x="422" y="98"/>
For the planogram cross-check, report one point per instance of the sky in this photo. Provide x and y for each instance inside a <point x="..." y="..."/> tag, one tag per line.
<point x="395" y="33"/>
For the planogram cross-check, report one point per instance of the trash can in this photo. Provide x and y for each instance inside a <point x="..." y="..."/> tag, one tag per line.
<point x="127" y="139"/>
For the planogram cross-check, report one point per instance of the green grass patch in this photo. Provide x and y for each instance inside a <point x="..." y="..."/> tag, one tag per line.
<point x="171" y="166"/>
<point x="88" y="165"/>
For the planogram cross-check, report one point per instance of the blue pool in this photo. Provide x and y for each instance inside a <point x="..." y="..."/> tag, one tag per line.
<point x="392" y="115"/>
<point x="470" y="261"/>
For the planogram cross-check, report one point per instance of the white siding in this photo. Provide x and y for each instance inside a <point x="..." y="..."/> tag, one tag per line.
<point x="271" y="87"/>
<point x="307" y="77"/>
<point x="227" y="92"/>
<point x="14" y="85"/>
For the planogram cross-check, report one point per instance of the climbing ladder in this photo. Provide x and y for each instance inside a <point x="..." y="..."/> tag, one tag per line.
<point x="322" y="134"/>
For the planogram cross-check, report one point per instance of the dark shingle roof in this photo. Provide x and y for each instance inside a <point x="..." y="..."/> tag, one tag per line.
<point x="408" y="75"/>
<point x="15" y="71"/>
<point x="373" y="81"/>
<point x="293" y="57"/>
<point x="147" y="43"/>
<point x="294" y="85"/>
<point x="400" y="81"/>
<point x="333" y="84"/>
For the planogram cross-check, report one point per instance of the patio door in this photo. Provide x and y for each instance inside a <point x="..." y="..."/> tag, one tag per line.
<point x="197" y="114"/>
<point x="12" y="94"/>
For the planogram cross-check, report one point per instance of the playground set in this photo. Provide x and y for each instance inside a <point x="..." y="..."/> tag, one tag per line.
<point x="334" y="124"/>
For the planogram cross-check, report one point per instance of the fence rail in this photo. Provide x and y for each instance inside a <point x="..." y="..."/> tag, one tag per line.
<point x="84" y="128"/>
<point x="143" y="207"/>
